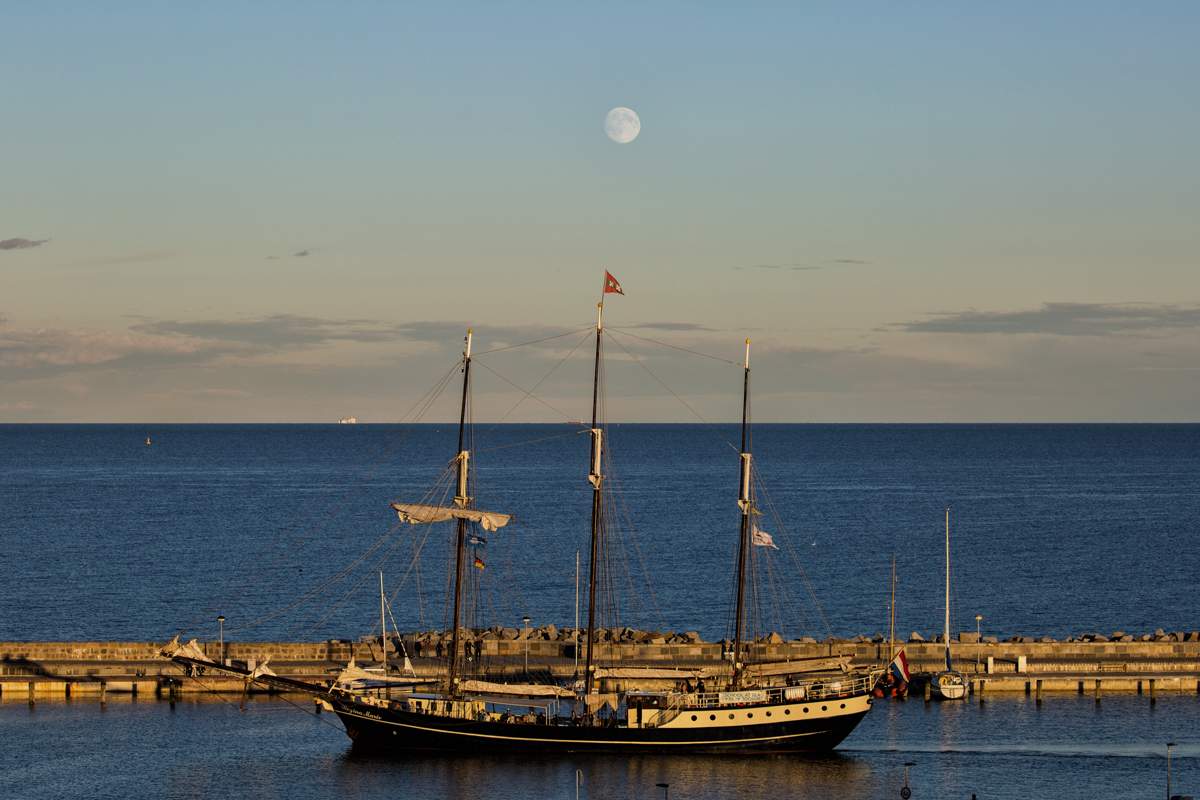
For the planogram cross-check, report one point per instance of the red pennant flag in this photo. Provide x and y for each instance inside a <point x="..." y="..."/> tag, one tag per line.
<point x="610" y="284"/>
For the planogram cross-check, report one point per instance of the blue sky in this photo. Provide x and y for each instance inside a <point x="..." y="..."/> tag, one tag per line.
<point x="918" y="212"/>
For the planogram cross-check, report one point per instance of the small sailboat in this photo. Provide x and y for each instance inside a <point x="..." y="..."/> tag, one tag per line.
<point x="948" y="684"/>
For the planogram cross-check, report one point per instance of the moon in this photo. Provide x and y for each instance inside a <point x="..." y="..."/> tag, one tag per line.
<point x="622" y="125"/>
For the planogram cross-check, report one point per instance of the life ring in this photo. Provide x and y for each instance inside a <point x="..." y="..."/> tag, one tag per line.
<point x="906" y="793"/>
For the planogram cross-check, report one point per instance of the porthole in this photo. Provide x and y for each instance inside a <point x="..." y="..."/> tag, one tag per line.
<point x="731" y="716"/>
<point x="712" y="716"/>
<point x="751" y="715"/>
<point x="768" y="713"/>
<point x="824" y="708"/>
<point x="843" y="705"/>
<point x="806" y="709"/>
<point x="787" y="711"/>
<point x="693" y="717"/>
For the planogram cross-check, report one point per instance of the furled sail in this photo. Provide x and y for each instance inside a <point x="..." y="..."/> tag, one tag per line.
<point x="633" y="673"/>
<point x="415" y="512"/>
<point x="517" y="689"/>
<point x="838" y="663"/>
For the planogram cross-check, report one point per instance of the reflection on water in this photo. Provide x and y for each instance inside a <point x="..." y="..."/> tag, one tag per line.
<point x="467" y="776"/>
<point x="1009" y="747"/>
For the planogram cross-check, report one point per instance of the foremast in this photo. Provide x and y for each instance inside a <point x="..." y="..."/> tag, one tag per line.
<point x="596" y="478"/>
<point x="746" y="504"/>
<point x="462" y="499"/>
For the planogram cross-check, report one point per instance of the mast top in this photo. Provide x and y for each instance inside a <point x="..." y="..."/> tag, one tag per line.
<point x="599" y="311"/>
<point x="747" y="365"/>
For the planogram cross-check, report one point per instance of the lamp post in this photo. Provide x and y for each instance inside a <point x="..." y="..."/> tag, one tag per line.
<point x="1169" y="746"/>
<point x="665" y="787"/>
<point x="526" y="621"/>
<point x="978" y="640"/>
<point x="221" y="623"/>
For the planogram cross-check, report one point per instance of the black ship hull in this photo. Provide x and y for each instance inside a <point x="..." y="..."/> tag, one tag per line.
<point x="385" y="728"/>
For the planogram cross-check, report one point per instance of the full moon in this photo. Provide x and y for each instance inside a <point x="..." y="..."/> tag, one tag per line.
<point x="622" y="125"/>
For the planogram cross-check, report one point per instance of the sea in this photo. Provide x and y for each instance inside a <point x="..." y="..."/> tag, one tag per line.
<point x="139" y="532"/>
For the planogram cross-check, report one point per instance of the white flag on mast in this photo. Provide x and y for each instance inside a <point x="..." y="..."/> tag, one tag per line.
<point x="762" y="539"/>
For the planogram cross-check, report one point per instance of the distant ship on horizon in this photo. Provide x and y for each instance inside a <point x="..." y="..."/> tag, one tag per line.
<point x="347" y="420"/>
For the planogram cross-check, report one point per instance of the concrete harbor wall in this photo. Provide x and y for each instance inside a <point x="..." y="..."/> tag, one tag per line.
<point x="1090" y="664"/>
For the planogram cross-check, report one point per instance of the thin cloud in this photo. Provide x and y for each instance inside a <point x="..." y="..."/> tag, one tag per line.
<point x="20" y="244"/>
<point x="130" y="258"/>
<point x="42" y="347"/>
<point x="1064" y="319"/>
<point x="797" y="266"/>
<point x="212" y="392"/>
<point x="301" y="254"/>
<point x="672" y="326"/>
<point x="290" y="330"/>
<point x="276" y="331"/>
<point x="804" y="267"/>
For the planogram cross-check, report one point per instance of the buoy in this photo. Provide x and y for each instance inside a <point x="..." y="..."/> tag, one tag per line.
<point x="147" y="440"/>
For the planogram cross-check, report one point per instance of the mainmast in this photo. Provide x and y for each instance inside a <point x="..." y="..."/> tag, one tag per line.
<point x="597" y="480"/>
<point x="745" y="504"/>
<point x="461" y="499"/>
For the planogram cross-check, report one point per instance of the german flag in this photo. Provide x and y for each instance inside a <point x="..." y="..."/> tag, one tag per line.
<point x="479" y="562"/>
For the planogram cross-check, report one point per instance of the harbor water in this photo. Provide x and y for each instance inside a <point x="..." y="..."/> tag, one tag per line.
<point x="1056" y="530"/>
<point x="1009" y="747"/>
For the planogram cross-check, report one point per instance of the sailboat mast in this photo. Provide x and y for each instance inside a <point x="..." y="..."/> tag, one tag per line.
<point x="892" y="615"/>
<point x="744" y="503"/>
<point x="460" y="499"/>
<point x="382" y="625"/>
<point x="946" y="631"/>
<point x="596" y="479"/>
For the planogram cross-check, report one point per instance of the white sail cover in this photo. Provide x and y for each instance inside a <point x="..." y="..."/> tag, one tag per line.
<point x="416" y="512"/>
<point x="515" y="689"/>
<point x="793" y="667"/>
<point x="353" y="672"/>
<point x="654" y="672"/>
<point x="190" y="650"/>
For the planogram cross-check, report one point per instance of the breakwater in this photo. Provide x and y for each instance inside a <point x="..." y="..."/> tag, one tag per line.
<point x="87" y="667"/>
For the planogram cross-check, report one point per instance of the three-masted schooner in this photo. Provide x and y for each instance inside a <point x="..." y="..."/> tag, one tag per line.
<point x="770" y="708"/>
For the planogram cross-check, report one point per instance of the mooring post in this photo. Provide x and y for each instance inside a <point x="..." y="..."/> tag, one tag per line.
<point x="1081" y="687"/>
<point x="1151" y="691"/>
<point x="1139" y="687"/>
<point x="1039" y="692"/>
<point x="31" y="694"/>
<point x="1026" y="688"/>
<point x="928" y="691"/>
<point x="1097" y="690"/>
<point x="982" y="689"/>
<point x="103" y="689"/>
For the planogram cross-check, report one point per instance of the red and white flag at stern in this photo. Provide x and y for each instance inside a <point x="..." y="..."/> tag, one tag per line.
<point x="610" y="284"/>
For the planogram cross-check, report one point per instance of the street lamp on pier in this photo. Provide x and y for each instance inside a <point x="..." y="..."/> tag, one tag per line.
<point x="527" y="632"/>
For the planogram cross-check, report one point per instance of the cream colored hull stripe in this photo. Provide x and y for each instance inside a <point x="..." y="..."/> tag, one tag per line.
<point x="599" y="741"/>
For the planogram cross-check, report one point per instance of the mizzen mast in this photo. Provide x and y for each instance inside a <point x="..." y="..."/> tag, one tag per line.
<point x="744" y="502"/>
<point x="461" y="499"/>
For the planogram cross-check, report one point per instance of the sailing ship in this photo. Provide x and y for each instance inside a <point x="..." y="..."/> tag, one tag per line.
<point x="792" y="706"/>
<point x="948" y="684"/>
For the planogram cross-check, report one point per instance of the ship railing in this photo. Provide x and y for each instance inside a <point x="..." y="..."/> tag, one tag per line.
<point x="816" y="689"/>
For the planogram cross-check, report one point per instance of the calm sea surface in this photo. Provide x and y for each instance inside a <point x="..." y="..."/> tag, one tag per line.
<point x="1008" y="748"/>
<point x="1056" y="530"/>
